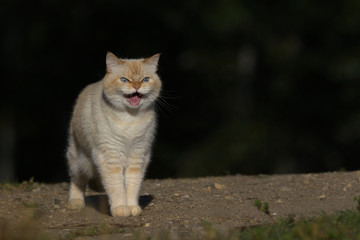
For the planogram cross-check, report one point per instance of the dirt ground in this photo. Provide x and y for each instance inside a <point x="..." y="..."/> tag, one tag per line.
<point x="181" y="206"/>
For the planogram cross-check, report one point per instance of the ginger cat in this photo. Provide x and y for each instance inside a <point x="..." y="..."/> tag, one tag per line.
<point x="112" y="131"/>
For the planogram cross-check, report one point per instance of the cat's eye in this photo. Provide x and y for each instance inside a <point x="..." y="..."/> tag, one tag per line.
<point x="124" y="80"/>
<point x="146" y="79"/>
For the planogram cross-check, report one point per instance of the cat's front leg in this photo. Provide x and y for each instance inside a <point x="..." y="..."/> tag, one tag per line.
<point x="134" y="176"/>
<point x="112" y="175"/>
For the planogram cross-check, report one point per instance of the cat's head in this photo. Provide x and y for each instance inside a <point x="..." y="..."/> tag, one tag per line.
<point x="131" y="83"/>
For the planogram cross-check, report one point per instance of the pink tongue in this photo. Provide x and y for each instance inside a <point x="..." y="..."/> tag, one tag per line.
<point x="134" y="100"/>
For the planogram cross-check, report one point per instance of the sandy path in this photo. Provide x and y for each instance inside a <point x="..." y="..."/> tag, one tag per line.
<point x="181" y="206"/>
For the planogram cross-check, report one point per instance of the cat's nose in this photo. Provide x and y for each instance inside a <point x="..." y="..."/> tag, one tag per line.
<point x="136" y="86"/>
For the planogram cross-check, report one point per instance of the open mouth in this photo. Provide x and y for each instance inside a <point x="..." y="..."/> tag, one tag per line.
<point x="133" y="99"/>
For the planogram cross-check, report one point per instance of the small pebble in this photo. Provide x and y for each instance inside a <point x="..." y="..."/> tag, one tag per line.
<point x="321" y="197"/>
<point x="219" y="186"/>
<point x="285" y="189"/>
<point x="147" y="225"/>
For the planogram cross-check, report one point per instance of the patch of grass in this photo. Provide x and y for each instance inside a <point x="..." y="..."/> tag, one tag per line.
<point x="30" y="205"/>
<point x="262" y="207"/>
<point x="8" y="185"/>
<point x="30" y="184"/>
<point x="266" y="208"/>
<point x="257" y="204"/>
<point x="357" y="200"/>
<point x="24" y="230"/>
<point x="343" y="225"/>
<point x="93" y="231"/>
<point x="26" y="185"/>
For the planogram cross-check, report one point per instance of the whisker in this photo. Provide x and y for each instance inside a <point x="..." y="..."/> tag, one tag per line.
<point x="167" y="105"/>
<point x="168" y="95"/>
<point x="161" y="104"/>
<point x="159" y="109"/>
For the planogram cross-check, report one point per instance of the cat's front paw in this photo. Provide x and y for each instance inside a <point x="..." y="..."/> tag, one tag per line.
<point x="120" y="211"/>
<point x="135" y="210"/>
<point x="75" y="204"/>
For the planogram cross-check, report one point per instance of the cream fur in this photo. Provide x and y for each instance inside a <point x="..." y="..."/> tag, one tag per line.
<point x="110" y="139"/>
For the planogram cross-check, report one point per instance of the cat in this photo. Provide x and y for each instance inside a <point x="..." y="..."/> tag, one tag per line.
<point x="111" y="133"/>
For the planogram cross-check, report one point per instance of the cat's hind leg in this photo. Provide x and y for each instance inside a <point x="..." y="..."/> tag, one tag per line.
<point x="80" y="171"/>
<point x="76" y="194"/>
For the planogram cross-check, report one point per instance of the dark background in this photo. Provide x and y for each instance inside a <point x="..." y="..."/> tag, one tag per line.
<point x="251" y="86"/>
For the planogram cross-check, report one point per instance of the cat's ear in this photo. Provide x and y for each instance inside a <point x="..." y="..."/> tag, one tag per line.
<point x="112" y="62"/>
<point x="153" y="61"/>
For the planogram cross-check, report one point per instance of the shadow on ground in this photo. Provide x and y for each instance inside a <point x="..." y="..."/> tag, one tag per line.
<point x="100" y="202"/>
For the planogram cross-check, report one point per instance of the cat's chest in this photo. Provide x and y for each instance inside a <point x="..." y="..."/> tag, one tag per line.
<point x="131" y="128"/>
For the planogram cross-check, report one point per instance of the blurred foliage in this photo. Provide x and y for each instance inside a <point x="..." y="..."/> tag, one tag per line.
<point x="258" y="87"/>
<point x="340" y="225"/>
